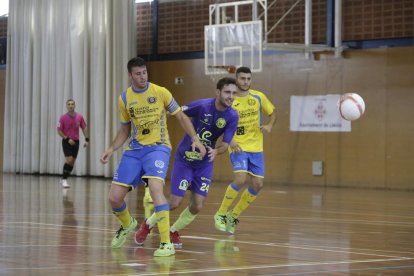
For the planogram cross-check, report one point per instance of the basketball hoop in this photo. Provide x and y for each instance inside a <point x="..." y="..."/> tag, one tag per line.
<point x="217" y="72"/>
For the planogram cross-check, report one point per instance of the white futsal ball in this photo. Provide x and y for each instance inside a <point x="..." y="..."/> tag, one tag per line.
<point x="351" y="106"/>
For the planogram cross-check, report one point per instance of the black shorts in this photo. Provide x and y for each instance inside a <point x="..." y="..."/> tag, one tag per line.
<point x="70" y="150"/>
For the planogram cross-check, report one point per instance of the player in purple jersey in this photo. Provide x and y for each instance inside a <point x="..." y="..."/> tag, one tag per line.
<point x="212" y="118"/>
<point x="68" y="129"/>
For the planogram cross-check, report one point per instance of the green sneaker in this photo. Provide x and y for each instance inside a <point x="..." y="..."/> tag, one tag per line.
<point x="220" y="222"/>
<point x="121" y="234"/>
<point x="165" y="250"/>
<point x="231" y="223"/>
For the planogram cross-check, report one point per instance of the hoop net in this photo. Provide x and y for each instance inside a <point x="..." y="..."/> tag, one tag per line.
<point x="217" y="72"/>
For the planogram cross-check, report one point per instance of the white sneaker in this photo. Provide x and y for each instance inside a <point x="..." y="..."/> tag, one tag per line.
<point x="64" y="183"/>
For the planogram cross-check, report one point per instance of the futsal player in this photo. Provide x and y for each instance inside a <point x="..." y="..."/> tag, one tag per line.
<point x="212" y="118"/>
<point x="143" y="107"/>
<point x="246" y="150"/>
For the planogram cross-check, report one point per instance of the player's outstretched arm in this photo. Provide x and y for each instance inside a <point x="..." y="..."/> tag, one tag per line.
<point x="188" y="127"/>
<point x="120" y="138"/>
<point x="212" y="153"/>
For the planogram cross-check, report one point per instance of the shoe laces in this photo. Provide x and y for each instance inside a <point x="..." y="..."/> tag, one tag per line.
<point x="234" y="221"/>
<point x="162" y="245"/>
<point x="118" y="233"/>
<point x="223" y="218"/>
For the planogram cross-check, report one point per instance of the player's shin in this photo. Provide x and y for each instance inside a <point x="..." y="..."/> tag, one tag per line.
<point x="185" y="218"/>
<point x="248" y="196"/>
<point x="162" y="213"/>
<point x="231" y="193"/>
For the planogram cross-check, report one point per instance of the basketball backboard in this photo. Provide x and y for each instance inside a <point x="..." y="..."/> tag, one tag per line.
<point x="233" y="44"/>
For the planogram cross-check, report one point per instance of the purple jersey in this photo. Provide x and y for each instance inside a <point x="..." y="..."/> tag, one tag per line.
<point x="209" y="124"/>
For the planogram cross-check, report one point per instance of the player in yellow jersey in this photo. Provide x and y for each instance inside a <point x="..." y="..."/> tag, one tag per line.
<point x="143" y="109"/>
<point x="246" y="150"/>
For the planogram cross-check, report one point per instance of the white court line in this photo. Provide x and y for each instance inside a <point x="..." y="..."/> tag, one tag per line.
<point x="133" y="264"/>
<point x="318" y="219"/>
<point x="300" y="247"/>
<point x="271" y="266"/>
<point x="139" y="264"/>
<point x="82" y="228"/>
<point x="188" y="251"/>
<point x="58" y="225"/>
<point x="279" y="192"/>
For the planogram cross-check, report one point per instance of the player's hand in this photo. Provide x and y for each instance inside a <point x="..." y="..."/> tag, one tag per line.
<point x="106" y="155"/>
<point x="266" y="128"/>
<point x="212" y="153"/>
<point x="86" y="144"/>
<point x="197" y="145"/>
<point x="71" y="142"/>
<point x="234" y="146"/>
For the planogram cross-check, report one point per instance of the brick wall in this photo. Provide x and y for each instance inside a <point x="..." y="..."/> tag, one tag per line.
<point x="144" y="31"/>
<point x="378" y="19"/>
<point x="181" y="23"/>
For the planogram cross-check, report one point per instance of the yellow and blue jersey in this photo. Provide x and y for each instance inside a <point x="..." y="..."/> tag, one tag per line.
<point x="251" y="109"/>
<point x="146" y="110"/>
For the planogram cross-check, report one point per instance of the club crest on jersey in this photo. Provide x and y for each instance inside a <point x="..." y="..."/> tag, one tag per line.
<point x="183" y="185"/>
<point x="159" y="164"/>
<point x="151" y="100"/>
<point x="220" y="123"/>
<point x="251" y="102"/>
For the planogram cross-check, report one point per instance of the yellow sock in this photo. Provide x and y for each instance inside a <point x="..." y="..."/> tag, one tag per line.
<point x="248" y="196"/>
<point x="123" y="215"/>
<point x="146" y="191"/>
<point x="185" y="219"/>
<point x="231" y="193"/>
<point x="163" y="221"/>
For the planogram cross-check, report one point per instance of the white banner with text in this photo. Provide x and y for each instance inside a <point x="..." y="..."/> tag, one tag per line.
<point x="317" y="113"/>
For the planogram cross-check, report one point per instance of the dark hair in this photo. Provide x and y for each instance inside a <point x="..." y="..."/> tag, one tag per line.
<point x="225" y="81"/>
<point x="135" y="62"/>
<point x="243" y="69"/>
<point x="70" y="100"/>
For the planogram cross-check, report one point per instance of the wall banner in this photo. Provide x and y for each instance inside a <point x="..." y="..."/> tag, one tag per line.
<point x="317" y="113"/>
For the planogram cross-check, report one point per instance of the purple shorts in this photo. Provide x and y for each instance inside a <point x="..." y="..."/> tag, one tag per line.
<point x="185" y="177"/>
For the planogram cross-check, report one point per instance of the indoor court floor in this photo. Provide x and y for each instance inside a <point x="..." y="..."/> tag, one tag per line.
<point x="298" y="230"/>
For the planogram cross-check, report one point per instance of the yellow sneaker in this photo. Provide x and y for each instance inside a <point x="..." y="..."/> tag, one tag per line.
<point x="165" y="250"/>
<point x="220" y="222"/>
<point x="231" y="223"/>
<point x="121" y="235"/>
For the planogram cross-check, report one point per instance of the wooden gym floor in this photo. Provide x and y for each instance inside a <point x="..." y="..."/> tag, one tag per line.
<point x="287" y="231"/>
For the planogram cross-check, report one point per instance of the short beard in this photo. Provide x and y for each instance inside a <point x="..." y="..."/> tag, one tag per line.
<point x="241" y="89"/>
